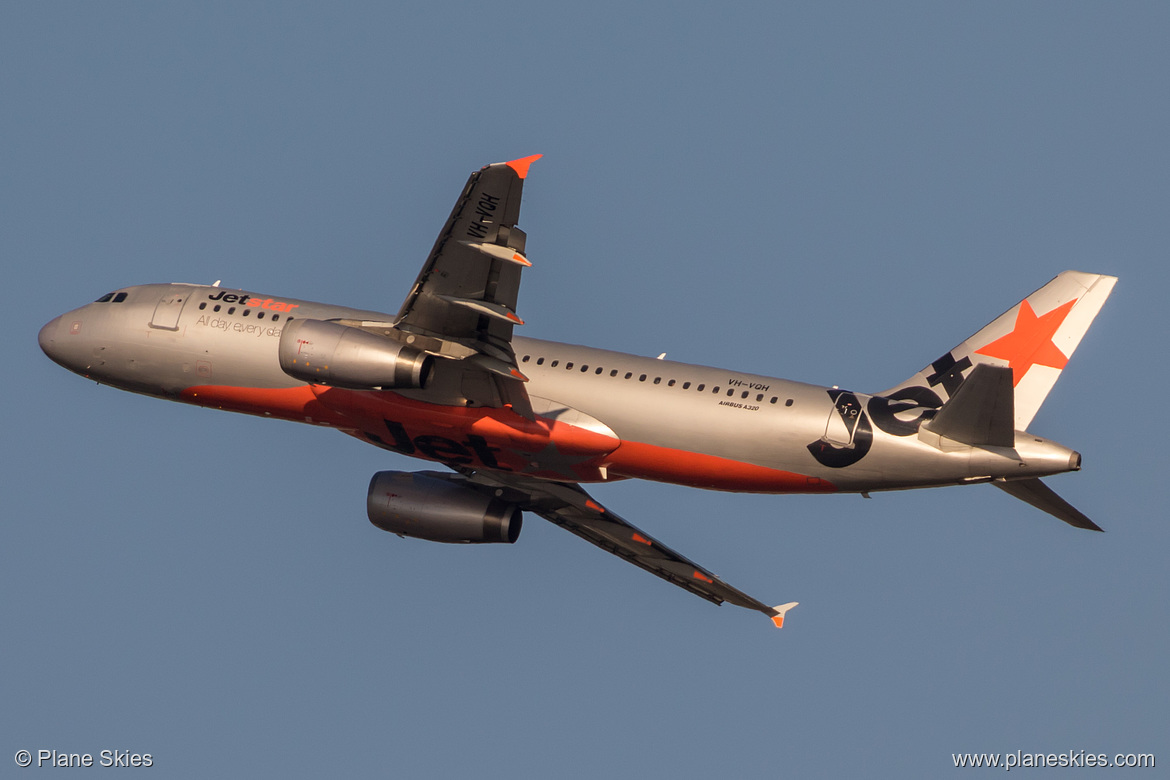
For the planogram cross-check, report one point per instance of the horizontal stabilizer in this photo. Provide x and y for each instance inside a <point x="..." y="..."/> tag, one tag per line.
<point x="1039" y="495"/>
<point x="982" y="411"/>
<point x="778" y="613"/>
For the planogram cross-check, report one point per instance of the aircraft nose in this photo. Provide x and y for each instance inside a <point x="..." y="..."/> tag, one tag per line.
<point x="48" y="337"/>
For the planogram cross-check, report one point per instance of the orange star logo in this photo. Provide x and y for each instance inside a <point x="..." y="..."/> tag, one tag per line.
<point x="1030" y="342"/>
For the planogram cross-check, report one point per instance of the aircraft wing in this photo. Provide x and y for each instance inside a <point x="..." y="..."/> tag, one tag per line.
<point x="569" y="506"/>
<point x="463" y="304"/>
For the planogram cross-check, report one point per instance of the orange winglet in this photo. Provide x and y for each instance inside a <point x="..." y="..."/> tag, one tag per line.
<point x="521" y="259"/>
<point x="778" y="618"/>
<point x="700" y="576"/>
<point x="596" y="507"/>
<point x="521" y="165"/>
<point x="643" y="540"/>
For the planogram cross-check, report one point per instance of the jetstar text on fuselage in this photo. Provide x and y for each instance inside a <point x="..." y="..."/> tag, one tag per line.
<point x="248" y="300"/>
<point x="440" y="448"/>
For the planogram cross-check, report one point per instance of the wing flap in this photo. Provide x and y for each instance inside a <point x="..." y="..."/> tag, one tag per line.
<point x="486" y="308"/>
<point x="499" y="252"/>
<point x="496" y="366"/>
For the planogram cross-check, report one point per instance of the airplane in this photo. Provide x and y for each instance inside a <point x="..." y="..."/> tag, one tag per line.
<point x="522" y="423"/>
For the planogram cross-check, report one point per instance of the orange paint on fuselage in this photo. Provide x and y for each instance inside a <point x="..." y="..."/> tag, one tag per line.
<point x="473" y="436"/>
<point x="663" y="464"/>
<point x="297" y="404"/>
<point x="499" y="439"/>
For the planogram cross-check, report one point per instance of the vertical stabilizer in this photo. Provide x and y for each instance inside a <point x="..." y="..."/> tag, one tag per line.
<point x="1035" y="339"/>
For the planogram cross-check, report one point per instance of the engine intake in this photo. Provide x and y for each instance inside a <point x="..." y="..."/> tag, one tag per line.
<point x="436" y="506"/>
<point x="328" y="353"/>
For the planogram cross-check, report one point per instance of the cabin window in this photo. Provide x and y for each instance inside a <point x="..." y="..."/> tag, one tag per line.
<point x="686" y="385"/>
<point x="203" y="306"/>
<point x="247" y="312"/>
<point x="715" y="389"/>
<point x="759" y="397"/>
<point x="524" y="359"/>
<point x="259" y="315"/>
<point x="787" y="403"/>
<point x="629" y="374"/>
<point x="642" y="378"/>
<point x="657" y="380"/>
<point x="599" y="370"/>
<point x="613" y="373"/>
<point x="540" y="361"/>
<point x="231" y="310"/>
<point x="554" y="364"/>
<point x="584" y="368"/>
<point x="744" y="394"/>
<point x="700" y="388"/>
<point x="275" y="317"/>
<point x="670" y="383"/>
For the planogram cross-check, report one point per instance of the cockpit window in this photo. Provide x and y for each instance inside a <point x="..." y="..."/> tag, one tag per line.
<point x="119" y="297"/>
<point x="105" y="298"/>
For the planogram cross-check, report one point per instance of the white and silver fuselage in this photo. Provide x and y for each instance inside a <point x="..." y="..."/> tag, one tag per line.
<point x="217" y="347"/>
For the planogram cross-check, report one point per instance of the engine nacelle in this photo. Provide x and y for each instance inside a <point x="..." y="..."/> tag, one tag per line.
<point x="435" y="506"/>
<point x="329" y="353"/>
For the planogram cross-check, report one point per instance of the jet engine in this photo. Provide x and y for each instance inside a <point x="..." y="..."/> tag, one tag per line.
<point x="436" y="506"/>
<point x="329" y="353"/>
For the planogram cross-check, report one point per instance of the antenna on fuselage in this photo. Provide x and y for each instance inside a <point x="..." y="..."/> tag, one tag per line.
<point x="217" y="281"/>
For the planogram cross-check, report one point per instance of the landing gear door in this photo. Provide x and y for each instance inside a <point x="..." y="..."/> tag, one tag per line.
<point x="166" y="313"/>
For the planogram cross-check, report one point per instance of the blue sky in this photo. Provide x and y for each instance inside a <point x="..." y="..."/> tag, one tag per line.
<point x="835" y="193"/>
